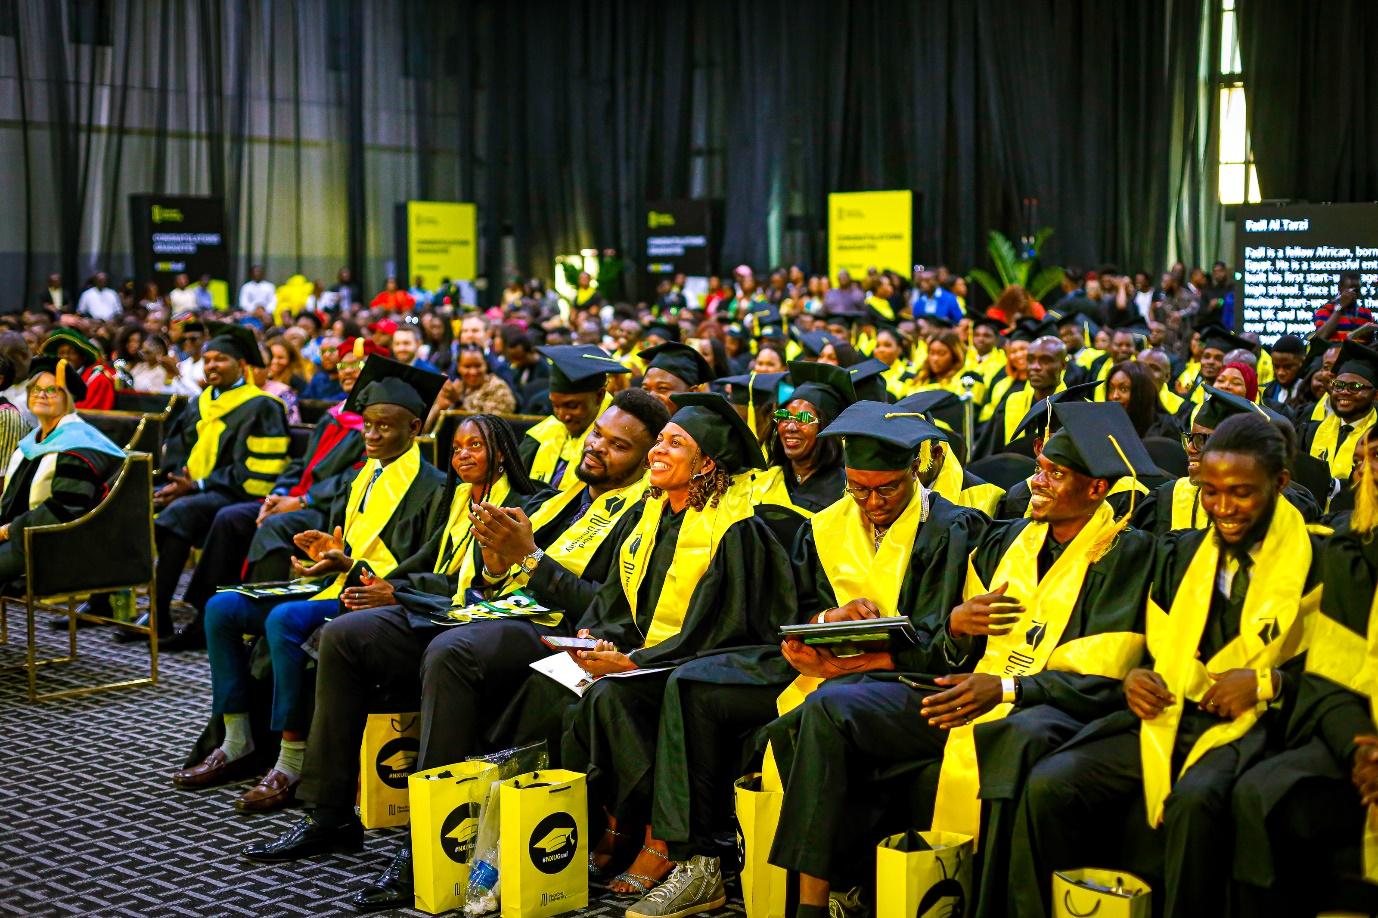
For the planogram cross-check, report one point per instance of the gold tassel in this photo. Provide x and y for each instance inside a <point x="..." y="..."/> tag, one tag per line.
<point x="359" y="348"/>
<point x="1107" y="539"/>
<point x="62" y="374"/>
<point x="1364" y="520"/>
<point x="926" y="457"/>
<point x="751" y="405"/>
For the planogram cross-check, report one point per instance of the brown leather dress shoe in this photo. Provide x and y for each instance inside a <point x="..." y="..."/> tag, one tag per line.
<point x="214" y="769"/>
<point x="273" y="792"/>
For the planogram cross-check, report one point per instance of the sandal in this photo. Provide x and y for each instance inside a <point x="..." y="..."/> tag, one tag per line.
<point x="644" y="883"/>
<point x="596" y="872"/>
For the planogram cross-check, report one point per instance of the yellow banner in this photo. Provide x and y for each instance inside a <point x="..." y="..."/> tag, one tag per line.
<point x="441" y="241"/>
<point x="870" y="229"/>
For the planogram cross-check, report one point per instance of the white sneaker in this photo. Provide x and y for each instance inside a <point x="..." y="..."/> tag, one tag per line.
<point x="692" y="887"/>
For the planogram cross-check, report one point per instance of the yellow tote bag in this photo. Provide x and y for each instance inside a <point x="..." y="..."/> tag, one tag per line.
<point x="445" y="805"/>
<point x="386" y="758"/>
<point x="765" y="887"/>
<point x="924" y="873"/>
<point x="543" y="844"/>
<point x="1103" y="893"/>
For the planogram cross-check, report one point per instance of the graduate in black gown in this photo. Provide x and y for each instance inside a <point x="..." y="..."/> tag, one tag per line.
<point x="60" y="470"/>
<point x="672" y="368"/>
<point x="699" y="573"/>
<point x="1300" y="815"/>
<point x="889" y="547"/>
<point x="1051" y="621"/>
<point x="578" y="394"/>
<point x="1227" y="622"/>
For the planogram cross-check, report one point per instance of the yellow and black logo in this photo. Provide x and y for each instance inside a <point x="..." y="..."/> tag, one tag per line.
<point x="458" y="833"/>
<point x="163" y="214"/>
<point x="396" y="760"/>
<point x="655" y="219"/>
<point x="553" y="842"/>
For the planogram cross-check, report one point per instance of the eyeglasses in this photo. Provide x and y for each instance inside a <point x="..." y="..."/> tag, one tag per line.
<point x="1354" y="388"/>
<point x="50" y="391"/>
<point x="1195" y="441"/>
<point x="804" y="418"/>
<point x="884" y="492"/>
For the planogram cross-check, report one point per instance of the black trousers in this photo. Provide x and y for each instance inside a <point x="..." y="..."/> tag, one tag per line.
<point x="379" y="660"/>
<point x="1074" y="809"/>
<point x="610" y="735"/>
<point x="828" y="749"/>
<point x="222" y="557"/>
<point x="178" y="528"/>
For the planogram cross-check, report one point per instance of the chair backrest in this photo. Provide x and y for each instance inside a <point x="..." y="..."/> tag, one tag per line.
<point x="110" y="547"/>
<point x="449" y="422"/>
<point x="426" y="444"/>
<point x="299" y="436"/>
<point x="1314" y="475"/>
<point x="312" y="410"/>
<point x="1003" y="469"/>
<point x="1168" y="455"/>
<point x="120" y="426"/>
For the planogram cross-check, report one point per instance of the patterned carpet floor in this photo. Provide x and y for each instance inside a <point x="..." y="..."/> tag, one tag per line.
<point x="91" y="825"/>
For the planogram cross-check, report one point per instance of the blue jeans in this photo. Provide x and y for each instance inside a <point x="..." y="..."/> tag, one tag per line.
<point x="285" y="626"/>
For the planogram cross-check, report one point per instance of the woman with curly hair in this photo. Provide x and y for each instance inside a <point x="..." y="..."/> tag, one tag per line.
<point x="697" y="572"/>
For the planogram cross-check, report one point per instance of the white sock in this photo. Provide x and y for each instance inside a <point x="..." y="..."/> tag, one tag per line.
<point x="239" y="741"/>
<point x="290" y="756"/>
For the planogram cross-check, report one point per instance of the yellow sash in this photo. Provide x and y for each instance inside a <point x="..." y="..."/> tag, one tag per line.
<point x="1087" y="357"/>
<point x="211" y="424"/>
<point x="1048" y="605"/>
<point x="1346" y="659"/>
<point x="895" y="383"/>
<point x="1186" y="506"/>
<point x="556" y="444"/>
<point x="1322" y="409"/>
<point x="1187" y="378"/>
<point x="1170" y="401"/>
<point x="699" y="536"/>
<point x="363" y="531"/>
<point x="769" y="487"/>
<point x="456" y="547"/>
<point x="1018" y="404"/>
<point x="575" y="547"/>
<point x="1275" y="605"/>
<point x="882" y="307"/>
<point x="997" y="393"/>
<point x="1339" y="455"/>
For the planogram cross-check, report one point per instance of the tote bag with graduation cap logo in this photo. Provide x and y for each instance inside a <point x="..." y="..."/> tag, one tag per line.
<point x="445" y="807"/>
<point x="386" y="757"/>
<point x="924" y="875"/>
<point x="1102" y="893"/>
<point x="543" y="844"/>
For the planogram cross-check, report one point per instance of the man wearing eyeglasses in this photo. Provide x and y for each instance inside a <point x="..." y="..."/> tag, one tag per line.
<point x="1332" y="438"/>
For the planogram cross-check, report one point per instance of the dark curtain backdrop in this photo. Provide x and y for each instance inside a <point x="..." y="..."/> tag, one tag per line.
<point x="1315" y="128"/>
<point x="561" y="119"/>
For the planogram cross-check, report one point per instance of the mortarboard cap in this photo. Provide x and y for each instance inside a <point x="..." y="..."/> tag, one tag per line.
<point x="235" y="341"/>
<point x="1097" y="439"/>
<point x="679" y="360"/>
<point x="77" y="340"/>
<point x="384" y="381"/>
<point x="994" y="325"/>
<point x="68" y="376"/>
<point x="1040" y="422"/>
<point x="827" y="387"/>
<point x="718" y="430"/>
<point x="1222" y="339"/>
<point x="935" y="320"/>
<point x="1359" y="360"/>
<point x="867" y="381"/>
<point x="763" y="386"/>
<point x="1084" y="322"/>
<point x="942" y="407"/>
<point x="579" y="367"/>
<point x="1219" y="405"/>
<point x="879" y="437"/>
<point x="662" y="330"/>
<point x="813" y="342"/>
<point x="1031" y="330"/>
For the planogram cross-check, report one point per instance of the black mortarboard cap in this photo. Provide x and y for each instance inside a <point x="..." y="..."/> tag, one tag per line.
<point x="879" y="437"/>
<point x="1222" y="339"/>
<point x="1087" y="325"/>
<point x="663" y="330"/>
<point x="1219" y="405"/>
<point x="763" y="387"/>
<point x="813" y="342"/>
<point x="1088" y="441"/>
<point x="940" y="405"/>
<point x="579" y="367"/>
<point x="829" y="388"/>
<point x="867" y="381"/>
<point x="384" y="381"/>
<point x="718" y="430"/>
<point x="1036" y="422"/>
<point x="1359" y="360"/>
<point x="70" y="377"/>
<point x="679" y="360"/>
<point x="1031" y="330"/>
<point x="235" y="341"/>
<point x="994" y="325"/>
<point x="935" y="319"/>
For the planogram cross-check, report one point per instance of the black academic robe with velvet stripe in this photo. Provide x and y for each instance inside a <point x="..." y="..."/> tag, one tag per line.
<point x="931" y="589"/>
<point x="256" y="430"/>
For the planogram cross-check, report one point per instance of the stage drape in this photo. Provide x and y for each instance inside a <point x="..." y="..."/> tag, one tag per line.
<point x="561" y="118"/>
<point x="1313" y="97"/>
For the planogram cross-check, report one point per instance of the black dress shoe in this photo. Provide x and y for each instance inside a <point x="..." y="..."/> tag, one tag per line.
<point x="187" y="638"/>
<point x="308" y="838"/>
<point x="392" y="889"/>
<point x="125" y="636"/>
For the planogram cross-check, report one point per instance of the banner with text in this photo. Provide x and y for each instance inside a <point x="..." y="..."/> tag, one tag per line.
<point x="679" y="236"/>
<point x="1290" y="259"/>
<point x="436" y="240"/>
<point x="179" y="234"/>
<point x="870" y="229"/>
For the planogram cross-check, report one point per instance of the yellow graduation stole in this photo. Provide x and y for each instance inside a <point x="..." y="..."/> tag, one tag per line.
<point x="575" y="547"/>
<point x="1339" y="454"/>
<point x="882" y="307"/>
<point x="699" y="536"/>
<point x="1187" y="378"/>
<point x="556" y="444"/>
<point x="363" y="531"/>
<point x="1351" y="661"/>
<point x="1272" y="630"/>
<point x="211" y="424"/>
<point x="1265" y="368"/>
<point x="1170" y="400"/>
<point x="1087" y="357"/>
<point x="997" y="392"/>
<point x="582" y="296"/>
<point x="1122" y="486"/>
<point x="769" y="487"/>
<point x="1186" y="502"/>
<point x="1018" y="405"/>
<point x="456" y="546"/>
<point x="1322" y="409"/>
<point x="1030" y="647"/>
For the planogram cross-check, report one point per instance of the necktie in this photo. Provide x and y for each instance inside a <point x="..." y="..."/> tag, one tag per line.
<point x="369" y="490"/>
<point x="1239" y="588"/>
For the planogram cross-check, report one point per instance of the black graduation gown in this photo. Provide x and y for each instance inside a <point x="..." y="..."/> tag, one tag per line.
<point x="1054" y="704"/>
<point x="330" y="477"/>
<point x="610" y="732"/>
<point x="1154" y="512"/>
<point x="1320" y="752"/>
<point x="820" y="490"/>
<point x="80" y="481"/>
<point x="930" y="589"/>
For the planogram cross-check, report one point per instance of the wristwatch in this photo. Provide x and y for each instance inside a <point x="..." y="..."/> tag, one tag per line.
<point x="1010" y="690"/>
<point x="528" y="564"/>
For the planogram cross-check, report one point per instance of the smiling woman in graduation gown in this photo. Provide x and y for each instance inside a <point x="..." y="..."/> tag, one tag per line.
<point x="905" y="554"/>
<point x="703" y="577"/>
